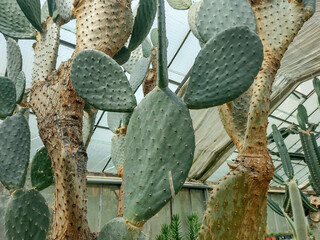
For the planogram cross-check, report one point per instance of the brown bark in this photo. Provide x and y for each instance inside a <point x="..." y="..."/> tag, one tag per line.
<point x="120" y="202"/>
<point x="59" y="112"/>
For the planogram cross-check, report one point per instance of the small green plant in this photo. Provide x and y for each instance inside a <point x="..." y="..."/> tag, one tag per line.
<point x="173" y="230"/>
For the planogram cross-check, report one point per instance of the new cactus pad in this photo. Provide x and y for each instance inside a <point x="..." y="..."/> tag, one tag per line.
<point x="7" y="97"/>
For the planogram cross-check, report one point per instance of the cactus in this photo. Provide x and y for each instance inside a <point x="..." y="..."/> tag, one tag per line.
<point x="7" y="97"/>
<point x="41" y="171"/>
<point x="32" y="10"/>
<point x="216" y="84"/>
<point x="231" y="14"/>
<point x="107" y="83"/>
<point x="64" y="8"/>
<point x="27" y="215"/>
<point x="20" y="85"/>
<point x="192" y="13"/>
<point x="117" y="229"/>
<point x="117" y="152"/>
<point x="180" y="4"/>
<point x="13" y="22"/>
<point x="14" y="151"/>
<point x="14" y="59"/>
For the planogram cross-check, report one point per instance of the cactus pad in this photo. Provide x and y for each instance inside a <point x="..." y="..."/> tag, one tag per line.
<point x="117" y="229"/>
<point x="7" y="97"/>
<point x="52" y="6"/>
<point x="216" y="16"/>
<point x="117" y="152"/>
<point x="13" y="22"/>
<point x="116" y="120"/>
<point x="27" y="216"/>
<point x="138" y="73"/>
<point x="14" y="151"/>
<point x="14" y="59"/>
<point x="192" y="13"/>
<point x="100" y="81"/>
<point x="41" y="171"/>
<point x="122" y="56"/>
<point x="225" y="68"/>
<point x="64" y="8"/>
<point x="158" y="154"/>
<point x="32" y="10"/>
<point x="20" y="84"/>
<point x="135" y="56"/>
<point x="143" y="21"/>
<point x="180" y="4"/>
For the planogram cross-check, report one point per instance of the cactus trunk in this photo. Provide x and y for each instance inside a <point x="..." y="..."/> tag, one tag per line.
<point x="59" y="112"/>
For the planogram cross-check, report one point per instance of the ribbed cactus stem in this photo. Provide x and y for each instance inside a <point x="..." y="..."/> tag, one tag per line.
<point x="162" y="53"/>
<point x="298" y="212"/>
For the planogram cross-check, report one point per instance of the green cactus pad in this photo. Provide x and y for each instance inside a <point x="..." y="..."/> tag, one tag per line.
<point x="100" y="81"/>
<point x="122" y="56"/>
<point x="7" y="97"/>
<point x="14" y="59"/>
<point x="158" y="154"/>
<point x="180" y="4"/>
<point x="116" y="120"/>
<point x="64" y="8"/>
<point x="13" y="22"/>
<point x="139" y="73"/>
<point x="14" y="151"/>
<point x="51" y="6"/>
<point x="316" y="85"/>
<point x="146" y="12"/>
<point x="192" y="20"/>
<point x="117" y="229"/>
<point x="135" y="56"/>
<point x="213" y="17"/>
<point x="20" y="84"/>
<point x="146" y="48"/>
<point x="27" y="216"/>
<point x="32" y="10"/>
<point x="225" y="68"/>
<point x="154" y="35"/>
<point x="41" y="171"/>
<point x="117" y="151"/>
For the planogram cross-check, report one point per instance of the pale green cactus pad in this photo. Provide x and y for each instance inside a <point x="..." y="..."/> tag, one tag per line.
<point x="41" y="171"/>
<point x="146" y="12"/>
<point x="138" y="73"/>
<point x="32" y="10"/>
<point x="13" y="22"/>
<point x="117" y="229"/>
<point x="155" y="38"/>
<point x="64" y="8"/>
<point x="180" y="4"/>
<point x="116" y="120"/>
<point x="192" y="13"/>
<point x="20" y="84"/>
<point x="14" y="151"/>
<point x="14" y="59"/>
<point x="117" y="151"/>
<point x="27" y="216"/>
<point x="158" y="154"/>
<point x="44" y="12"/>
<point x="101" y="82"/>
<point x="225" y="68"/>
<point x="216" y="16"/>
<point x="7" y="97"/>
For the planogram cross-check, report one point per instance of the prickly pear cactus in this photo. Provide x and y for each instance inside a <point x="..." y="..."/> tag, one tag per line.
<point x="117" y="152"/>
<point x="7" y="97"/>
<point x="102" y="83"/>
<point x="14" y="59"/>
<point x="27" y="215"/>
<point x="157" y="165"/>
<point x="14" y="151"/>
<point x="117" y="229"/>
